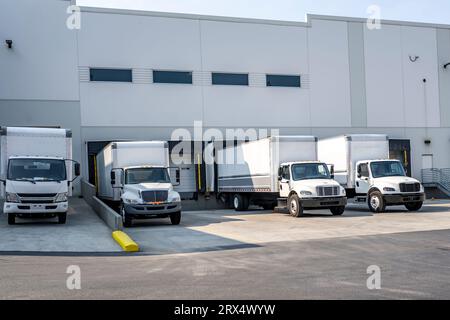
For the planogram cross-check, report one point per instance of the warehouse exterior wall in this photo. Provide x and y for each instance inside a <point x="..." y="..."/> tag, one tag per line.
<point x="353" y="80"/>
<point x="42" y="62"/>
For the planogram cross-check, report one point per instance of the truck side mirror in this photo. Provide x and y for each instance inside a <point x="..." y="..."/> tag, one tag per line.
<point x="77" y="169"/>
<point x="359" y="175"/>
<point x="332" y="171"/>
<point x="177" y="176"/>
<point x="113" y="178"/>
<point x="280" y="178"/>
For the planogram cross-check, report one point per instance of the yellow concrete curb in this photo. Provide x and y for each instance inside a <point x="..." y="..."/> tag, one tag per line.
<point x="125" y="241"/>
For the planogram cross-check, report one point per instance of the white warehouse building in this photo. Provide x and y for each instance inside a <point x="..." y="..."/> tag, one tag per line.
<point x="136" y="75"/>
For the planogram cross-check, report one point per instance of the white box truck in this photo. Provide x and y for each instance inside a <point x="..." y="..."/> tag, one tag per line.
<point x="136" y="175"/>
<point x="36" y="172"/>
<point x="362" y="165"/>
<point x="281" y="172"/>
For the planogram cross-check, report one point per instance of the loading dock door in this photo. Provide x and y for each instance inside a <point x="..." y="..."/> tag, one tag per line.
<point x="93" y="148"/>
<point x="400" y="149"/>
<point x="187" y="179"/>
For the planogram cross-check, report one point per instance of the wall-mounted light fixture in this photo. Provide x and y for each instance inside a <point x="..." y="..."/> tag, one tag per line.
<point x="446" y="65"/>
<point x="427" y="141"/>
<point x="413" y="58"/>
<point x="9" y="43"/>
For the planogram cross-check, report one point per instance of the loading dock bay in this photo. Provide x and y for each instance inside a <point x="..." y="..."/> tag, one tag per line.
<point x="214" y="230"/>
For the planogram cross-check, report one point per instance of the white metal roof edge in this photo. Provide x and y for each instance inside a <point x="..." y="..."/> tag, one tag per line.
<point x="306" y="23"/>
<point x="192" y="16"/>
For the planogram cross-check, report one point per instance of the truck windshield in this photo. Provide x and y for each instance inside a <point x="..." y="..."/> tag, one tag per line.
<point x="37" y="170"/>
<point x="147" y="175"/>
<point x="306" y="171"/>
<point x="387" y="169"/>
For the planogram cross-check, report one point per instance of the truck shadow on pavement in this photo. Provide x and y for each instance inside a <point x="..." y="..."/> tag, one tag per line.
<point x="159" y="237"/>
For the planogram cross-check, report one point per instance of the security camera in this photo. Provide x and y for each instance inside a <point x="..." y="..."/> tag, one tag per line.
<point x="446" y="65"/>
<point x="9" y="43"/>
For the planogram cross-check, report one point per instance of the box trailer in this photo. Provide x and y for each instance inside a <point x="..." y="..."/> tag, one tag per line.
<point x="36" y="172"/>
<point x="136" y="175"/>
<point x="362" y="165"/>
<point x="282" y="172"/>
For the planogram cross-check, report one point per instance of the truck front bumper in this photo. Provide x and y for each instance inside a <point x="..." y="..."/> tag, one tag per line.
<point x="322" y="203"/>
<point x="35" y="208"/>
<point x="152" y="210"/>
<point x="399" y="199"/>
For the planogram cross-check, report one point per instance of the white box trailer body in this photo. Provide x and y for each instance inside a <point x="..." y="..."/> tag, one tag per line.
<point x="345" y="151"/>
<point x="275" y="172"/>
<point x="124" y="155"/>
<point x="253" y="166"/>
<point x="27" y="151"/>
<point x="362" y="165"/>
<point x="137" y="176"/>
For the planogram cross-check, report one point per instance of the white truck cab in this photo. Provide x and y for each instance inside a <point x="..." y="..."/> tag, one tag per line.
<point x="384" y="183"/>
<point x="309" y="185"/>
<point x="36" y="172"/>
<point x="281" y="173"/>
<point x="136" y="176"/>
<point x="362" y="166"/>
<point x="147" y="191"/>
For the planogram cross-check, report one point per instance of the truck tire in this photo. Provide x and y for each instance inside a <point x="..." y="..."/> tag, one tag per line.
<point x="337" y="211"/>
<point x="127" y="221"/>
<point x="294" y="206"/>
<point x="175" y="218"/>
<point x="62" y="217"/>
<point x="240" y="202"/>
<point x="414" y="206"/>
<point x="376" y="202"/>
<point x="11" y="218"/>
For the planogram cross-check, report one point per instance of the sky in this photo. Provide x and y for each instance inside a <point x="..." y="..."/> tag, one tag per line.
<point x="433" y="11"/>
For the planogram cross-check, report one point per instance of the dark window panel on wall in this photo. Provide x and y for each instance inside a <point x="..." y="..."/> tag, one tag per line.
<point x="114" y="75"/>
<point x="231" y="79"/>
<point x="183" y="77"/>
<point x="273" y="80"/>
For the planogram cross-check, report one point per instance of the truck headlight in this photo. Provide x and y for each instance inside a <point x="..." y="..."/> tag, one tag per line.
<point x="343" y="192"/>
<point x="388" y="189"/>
<point x="61" y="197"/>
<point x="305" y="193"/>
<point x="131" y="201"/>
<point x="12" y="197"/>
<point x="175" y="198"/>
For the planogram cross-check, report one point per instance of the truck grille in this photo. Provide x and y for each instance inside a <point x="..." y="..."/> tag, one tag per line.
<point x="155" y="196"/>
<point x="409" y="187"/>
<point x="327" y="191"/>
<point x="37" y="197"/>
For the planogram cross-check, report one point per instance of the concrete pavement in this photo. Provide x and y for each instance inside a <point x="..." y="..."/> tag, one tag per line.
<point x="83" y="232"/>
<point x="226" y="229"/>
<point x="413" y="266"/>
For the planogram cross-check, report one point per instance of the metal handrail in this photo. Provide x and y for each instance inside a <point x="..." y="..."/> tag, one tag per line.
<point x="438" y="177"/>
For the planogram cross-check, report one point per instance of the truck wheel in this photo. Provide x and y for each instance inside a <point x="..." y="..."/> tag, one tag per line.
<point x="376" y="202"/>
<point x="11" y="218"/>
<point x="127" y="221"/>
<point x="240" y="202"/>
<point x="294" y="206"/>
<point x="337" y="211"/>
<point x="62" y="217"/>
<point x="414" y="206"/>
<point x="175" y="218"/>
